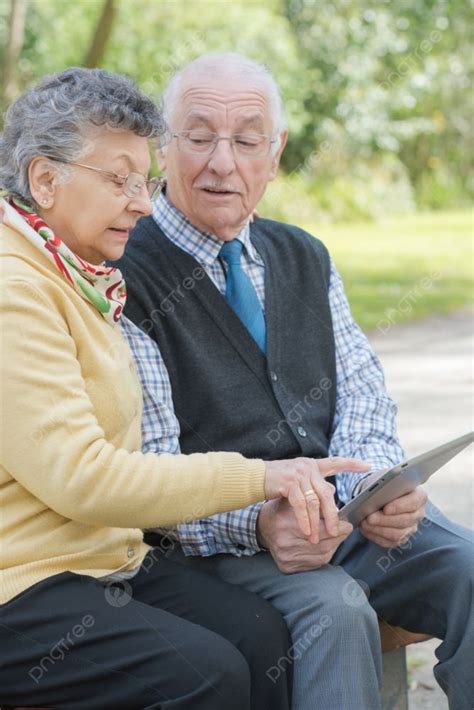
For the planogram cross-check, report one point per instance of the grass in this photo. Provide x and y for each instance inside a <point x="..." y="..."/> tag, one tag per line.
<point x="403" y="268"/>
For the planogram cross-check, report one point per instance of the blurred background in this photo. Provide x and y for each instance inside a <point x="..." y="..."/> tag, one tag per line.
<point x="379" y="109"/>
<point x="378" y="165"/>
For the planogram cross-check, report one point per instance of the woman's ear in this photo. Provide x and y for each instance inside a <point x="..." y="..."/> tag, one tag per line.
<point x="162" y="145"/>
<point x="41" y="177"/>
<point x="161" y="159"/>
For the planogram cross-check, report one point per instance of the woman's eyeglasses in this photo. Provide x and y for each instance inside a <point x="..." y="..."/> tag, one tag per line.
<point x="132" y="184"/>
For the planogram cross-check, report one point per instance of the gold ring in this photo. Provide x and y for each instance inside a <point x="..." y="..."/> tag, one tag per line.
<point x="309" y="493"/>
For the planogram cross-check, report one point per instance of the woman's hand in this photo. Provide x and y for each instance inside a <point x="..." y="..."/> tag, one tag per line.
<point x="302" y="482"/>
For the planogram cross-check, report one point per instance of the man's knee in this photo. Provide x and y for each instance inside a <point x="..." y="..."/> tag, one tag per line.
<point x="354" y="617"/>
<point x="462" y="559"/>
<point x="340" y="607"/>
<point x="460" y="568"/>
<point x="448" y="556"/>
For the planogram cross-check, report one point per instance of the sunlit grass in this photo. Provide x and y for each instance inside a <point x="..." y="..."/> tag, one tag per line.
<point x="405" y="267"/>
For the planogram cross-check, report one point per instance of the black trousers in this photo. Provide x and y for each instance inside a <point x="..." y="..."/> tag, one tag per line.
<point x="168" y="638"/>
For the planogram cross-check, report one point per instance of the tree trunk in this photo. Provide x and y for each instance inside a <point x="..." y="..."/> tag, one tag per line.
<point x="102" y="33"/>
<point x="16" y="32"/>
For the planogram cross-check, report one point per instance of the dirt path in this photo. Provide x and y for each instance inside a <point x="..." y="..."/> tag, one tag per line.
<point x="429" y="372"/>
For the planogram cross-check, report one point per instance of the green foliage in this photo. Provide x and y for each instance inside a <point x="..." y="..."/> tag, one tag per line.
<point x="403" y="268"/>
<point x="377" y="93"/>
<point x="390" y="78"/>
<point x="369" y="190"/>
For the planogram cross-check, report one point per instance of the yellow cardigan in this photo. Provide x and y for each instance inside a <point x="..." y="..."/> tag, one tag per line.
<point x="75" y="490"/>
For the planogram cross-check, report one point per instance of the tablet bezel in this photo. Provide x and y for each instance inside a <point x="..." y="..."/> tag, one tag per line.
<point x="388" y="484"/>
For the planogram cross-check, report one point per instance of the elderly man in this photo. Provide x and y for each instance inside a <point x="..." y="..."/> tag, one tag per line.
<point x="247" y="344"/>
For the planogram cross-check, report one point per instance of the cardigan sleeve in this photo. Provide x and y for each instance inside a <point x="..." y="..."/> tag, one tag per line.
<point x="71" y="467"/>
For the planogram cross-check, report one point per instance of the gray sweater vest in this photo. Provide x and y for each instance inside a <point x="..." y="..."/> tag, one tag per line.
<point x="227" y="395"/>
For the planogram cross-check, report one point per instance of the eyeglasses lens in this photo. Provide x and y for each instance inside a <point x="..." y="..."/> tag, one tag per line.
<point x="134" y="183"/>
<point x="245" y="145"/>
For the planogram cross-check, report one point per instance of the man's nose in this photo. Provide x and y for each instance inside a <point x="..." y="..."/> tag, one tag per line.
<point x="222" y="159"/>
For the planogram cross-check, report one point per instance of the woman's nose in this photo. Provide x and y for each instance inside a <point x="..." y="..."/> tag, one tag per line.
<point x="141" y="203"/>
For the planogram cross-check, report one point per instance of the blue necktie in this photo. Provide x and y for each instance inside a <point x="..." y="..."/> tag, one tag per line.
<point x="241" y="295"/>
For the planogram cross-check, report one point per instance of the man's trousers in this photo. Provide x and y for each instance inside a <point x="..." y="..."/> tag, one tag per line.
<point x="424" y="585"/>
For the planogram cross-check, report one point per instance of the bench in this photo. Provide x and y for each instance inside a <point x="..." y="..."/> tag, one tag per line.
<point x="395" y="691"/>
<point x="394" y="642"/>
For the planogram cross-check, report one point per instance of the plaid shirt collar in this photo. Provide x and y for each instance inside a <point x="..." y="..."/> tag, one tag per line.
<point x="203" y="246"/>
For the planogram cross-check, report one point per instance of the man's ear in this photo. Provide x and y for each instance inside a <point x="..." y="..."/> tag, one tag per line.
<point x="41" y="177"/>
<point x="276" y="157"/>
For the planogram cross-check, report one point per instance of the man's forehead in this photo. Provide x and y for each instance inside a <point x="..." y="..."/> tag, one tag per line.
<point x="202" y="95"/>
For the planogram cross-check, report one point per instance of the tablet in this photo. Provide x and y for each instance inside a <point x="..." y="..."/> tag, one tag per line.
<point x="388" y="484"/>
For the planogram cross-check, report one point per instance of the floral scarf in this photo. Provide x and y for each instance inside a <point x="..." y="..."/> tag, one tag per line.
<point x="104" y="287"/>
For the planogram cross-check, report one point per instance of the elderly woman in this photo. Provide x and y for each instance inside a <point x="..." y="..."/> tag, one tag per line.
<point x="89" y="617"/>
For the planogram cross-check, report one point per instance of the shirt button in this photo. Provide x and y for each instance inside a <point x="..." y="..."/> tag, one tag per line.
<point x="130" y="552"/>
<point x="301" y="431"/>
<point x="273" y="376"/>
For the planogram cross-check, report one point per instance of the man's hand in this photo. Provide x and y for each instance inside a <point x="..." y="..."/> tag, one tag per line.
<point x="301" y="482"/>
<point x="279" y="532"/>
<point x="397" y="521"/>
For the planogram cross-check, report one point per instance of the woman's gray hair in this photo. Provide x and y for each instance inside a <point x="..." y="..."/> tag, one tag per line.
<point x="59" y="117"/>
<point x="218" y="64"/>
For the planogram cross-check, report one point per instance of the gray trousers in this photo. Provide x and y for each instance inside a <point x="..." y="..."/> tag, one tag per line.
<point x="425" y="585"/>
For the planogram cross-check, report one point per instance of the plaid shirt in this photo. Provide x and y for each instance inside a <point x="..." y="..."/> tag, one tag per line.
<point x="364" y="421"/>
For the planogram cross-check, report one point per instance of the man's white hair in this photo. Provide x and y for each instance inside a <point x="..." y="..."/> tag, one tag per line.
<point x="220" y="64"/>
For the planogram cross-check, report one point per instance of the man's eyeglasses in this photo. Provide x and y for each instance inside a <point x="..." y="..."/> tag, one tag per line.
<point x="131" y="184"/>
<point x="249" y="145"/>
